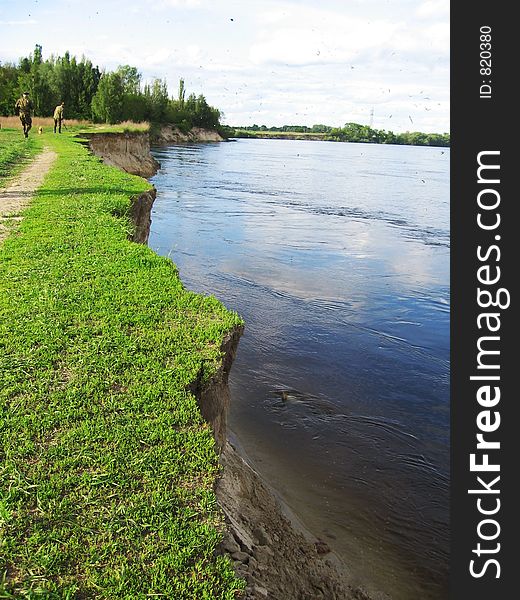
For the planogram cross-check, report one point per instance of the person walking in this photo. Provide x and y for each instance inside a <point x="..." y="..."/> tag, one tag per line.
<point x="58" y="117"/>
<point x="23" y="108"/>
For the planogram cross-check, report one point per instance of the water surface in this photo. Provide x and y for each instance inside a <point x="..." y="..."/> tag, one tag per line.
<point x="337" y="257"/>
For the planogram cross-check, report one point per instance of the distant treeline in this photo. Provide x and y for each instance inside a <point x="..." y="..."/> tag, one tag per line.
<point x="350" y="132"/>
<point x="100" y="96"/>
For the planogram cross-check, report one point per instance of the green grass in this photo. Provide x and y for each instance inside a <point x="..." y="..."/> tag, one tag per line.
<point x="125" y="127"/>
<point x="106" y="465"/>
<point x="15" y="150"/>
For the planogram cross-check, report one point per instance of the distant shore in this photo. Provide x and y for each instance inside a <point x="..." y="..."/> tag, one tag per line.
<point x="350" y="133"/>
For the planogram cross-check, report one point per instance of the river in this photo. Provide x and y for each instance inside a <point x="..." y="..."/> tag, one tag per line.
<point x="337" y="257"/>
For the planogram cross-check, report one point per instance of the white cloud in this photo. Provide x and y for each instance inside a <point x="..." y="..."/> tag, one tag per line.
<point x="165" y="4"/>
<point x="279" y="61"/>
<point x="438" y="9"/>
<point x="336" y="39"/>
<point x="439" y="37"/>
<point x="19" y="23"/>
<point x="272" y="16"/>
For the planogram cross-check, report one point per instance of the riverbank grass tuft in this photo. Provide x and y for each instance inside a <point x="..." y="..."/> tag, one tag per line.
<point x="106" y="465"/>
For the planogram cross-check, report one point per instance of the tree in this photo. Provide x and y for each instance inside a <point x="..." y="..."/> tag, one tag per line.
<point x="182" y="92"/>
<point x="108" y="97"/>
<point x="32" y="79"/>
<point x="107" y="104"/>
<point x="134" y="102"/>
<point x="158" y="100"/>
<point x="89" y="76"/>
<point x="9" y="88"/>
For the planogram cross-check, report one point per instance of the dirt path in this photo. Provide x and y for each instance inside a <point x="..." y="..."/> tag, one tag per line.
<point x="17" y="195"/>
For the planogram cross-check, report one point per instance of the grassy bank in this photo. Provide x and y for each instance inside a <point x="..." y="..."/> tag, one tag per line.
<point x="280" y="135"/>
<point x="124" y="127"/>
<point x="15" y="150"/>
<point x="107" y="467"/>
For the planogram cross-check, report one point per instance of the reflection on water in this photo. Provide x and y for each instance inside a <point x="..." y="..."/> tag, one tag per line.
<point x="337" y="256"/>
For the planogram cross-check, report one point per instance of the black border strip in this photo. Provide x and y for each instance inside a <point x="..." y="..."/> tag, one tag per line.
<point x="483" y="124"/>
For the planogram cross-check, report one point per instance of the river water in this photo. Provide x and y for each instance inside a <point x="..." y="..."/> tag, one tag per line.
<point x="337" y="257"/>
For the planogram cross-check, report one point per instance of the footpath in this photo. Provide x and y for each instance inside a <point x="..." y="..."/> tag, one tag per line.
<point x="16" y="196"/>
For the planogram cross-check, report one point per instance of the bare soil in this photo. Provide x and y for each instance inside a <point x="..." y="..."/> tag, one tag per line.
<point x="18" y="193"/>
<point x="278" y="560"/>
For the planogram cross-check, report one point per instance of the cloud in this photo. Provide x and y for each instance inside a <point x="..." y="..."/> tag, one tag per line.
<point x="438" y="9"/>
<point x="19" y="23"/>
<point x="165" y="4"/>
<point x="279" y="61"/>
<point x="336" y="42"/>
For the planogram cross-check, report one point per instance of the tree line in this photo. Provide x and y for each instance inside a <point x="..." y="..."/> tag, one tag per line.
<point x="354" y="132"/>
<point x="100" y="96"/>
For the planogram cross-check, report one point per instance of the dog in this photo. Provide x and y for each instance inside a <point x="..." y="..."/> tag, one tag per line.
<point x="40" y="129"/>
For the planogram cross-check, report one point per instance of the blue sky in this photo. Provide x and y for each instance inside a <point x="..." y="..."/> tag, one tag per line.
<point x="384" y="62"/>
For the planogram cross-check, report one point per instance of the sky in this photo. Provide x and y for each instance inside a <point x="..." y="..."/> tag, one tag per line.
<point x="383" y="63"/>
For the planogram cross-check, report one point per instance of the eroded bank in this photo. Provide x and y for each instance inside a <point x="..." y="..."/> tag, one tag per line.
<point x="276" y="556"/>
